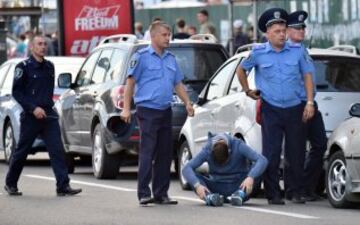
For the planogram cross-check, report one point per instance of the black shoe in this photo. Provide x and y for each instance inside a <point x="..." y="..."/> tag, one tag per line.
<point x="298" y="199"/>
<point x="311" y="197"/>
<point x="146" y="200"/>
<point x="12" y="190"/>
<point x="276" y="201"/>
<point x="288" y="196"/>
<point x="68" y="191"/>
<point x="166" y="201"/>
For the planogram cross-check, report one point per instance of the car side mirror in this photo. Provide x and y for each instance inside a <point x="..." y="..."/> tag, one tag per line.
<point x="64" y="80"/>
<point x="355" y="110"/>
<point x="200" y="101"/>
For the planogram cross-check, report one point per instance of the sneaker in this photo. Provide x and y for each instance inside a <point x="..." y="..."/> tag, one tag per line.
<point x="237" y="198"/>
<point x="214" y="199"/>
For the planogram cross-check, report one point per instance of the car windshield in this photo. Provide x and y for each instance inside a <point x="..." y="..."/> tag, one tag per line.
<point x="337" y="74"/>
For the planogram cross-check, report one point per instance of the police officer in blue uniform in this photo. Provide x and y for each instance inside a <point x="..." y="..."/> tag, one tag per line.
<point x="315" y="128"/>
<point x="154" y="74"/>
<point x="281" y="74"/>
<point x="33" y="89"/>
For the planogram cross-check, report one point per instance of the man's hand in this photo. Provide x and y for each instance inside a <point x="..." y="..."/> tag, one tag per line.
<point x="254" y="94"/>
<point x="125" y="115"/>
<point x="39" y="113"/>
<point x="201" y="191"/>
<point x="308" y="113"/>
<point x="247" y="185"/>
<point x="189" y="109"/>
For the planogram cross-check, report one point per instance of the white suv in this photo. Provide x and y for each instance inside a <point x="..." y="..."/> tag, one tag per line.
<point x="224" y="107"/>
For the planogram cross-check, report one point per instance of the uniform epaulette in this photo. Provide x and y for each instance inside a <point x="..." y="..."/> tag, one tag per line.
<point x="295" y="45"/>
<point x="259" y="46"/>
<point x="141" y="51"/>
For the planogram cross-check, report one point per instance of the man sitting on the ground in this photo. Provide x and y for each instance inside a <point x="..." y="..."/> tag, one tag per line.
<point x="231" y="175"/>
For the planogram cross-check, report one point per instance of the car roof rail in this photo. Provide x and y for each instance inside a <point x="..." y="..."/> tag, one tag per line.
<point x="120" y="38"/>
<point x="247" y="47"/>
<point x="346" y="48"/>
<point x="204" y="37"/>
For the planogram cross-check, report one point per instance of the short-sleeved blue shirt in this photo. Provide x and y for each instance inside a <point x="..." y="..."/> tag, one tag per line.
<point x="278" y="75"/>
<point x="311" y="65"/>
<point x="155" y="78"/>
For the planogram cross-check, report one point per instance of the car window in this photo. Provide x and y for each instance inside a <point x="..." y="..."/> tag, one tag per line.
<point x="218" y="84"/>
<point x="198" y="64"/>
<point x="117" y="65"/>
<point x="84" y="75"/>
<point x="3" y="71"/>
<point x="337" y="74"/>
<point x="8" y="82"/>
<point x="102" y="67"/>
<point x="235" y="84"/>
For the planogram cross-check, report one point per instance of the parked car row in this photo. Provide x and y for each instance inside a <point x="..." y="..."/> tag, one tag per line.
<point x="10" y="110"/>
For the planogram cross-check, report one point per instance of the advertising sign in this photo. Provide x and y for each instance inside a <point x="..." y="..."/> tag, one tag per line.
<point x="84" y="23"/>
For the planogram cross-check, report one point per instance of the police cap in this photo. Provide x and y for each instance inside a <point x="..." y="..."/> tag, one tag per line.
<point x="272" y="16"/>
<point x="122" y="129"/>
<point x="297" y="19"/>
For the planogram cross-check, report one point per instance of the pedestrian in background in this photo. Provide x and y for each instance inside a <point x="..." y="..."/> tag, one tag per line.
<point x="239" y="38"/>
<point x="181" y="30"/>
<point x="315" y="128"/>
<point x="191" y="30"/>
<point x="33" y="89"/>
<point x="139" y="30"/>
<point x="281" y="73"/>
<point x="154" y="75"/>
<point x="206" y="27"/>
<point x="230" y="173"/>
<point x="21" y="47"/>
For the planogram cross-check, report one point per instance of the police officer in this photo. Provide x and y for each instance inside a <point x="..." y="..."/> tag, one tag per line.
<point x="33" y="89"/>
<point x="315" y="129"/>
<point x="154" y="74"/>
<point x="281" y="73"/>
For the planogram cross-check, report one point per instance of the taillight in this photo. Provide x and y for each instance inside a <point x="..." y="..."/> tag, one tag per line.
<point x="118" y="96"/>
<point x="258" y="111"/>
<point x="55" y="97"/>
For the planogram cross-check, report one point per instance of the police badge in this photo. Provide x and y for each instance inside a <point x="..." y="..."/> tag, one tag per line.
<point x="18" y="73"/>
<point x="301" y="17"/>
<point x="277" y="15"/>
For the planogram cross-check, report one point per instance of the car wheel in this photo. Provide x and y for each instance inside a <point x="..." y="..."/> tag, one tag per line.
<point x="9" y="142"/>
<point x="105" y="166"/>
<point x="70" y="163"/>
<point x="336" y="176"/>
<point x="183" y="158"/>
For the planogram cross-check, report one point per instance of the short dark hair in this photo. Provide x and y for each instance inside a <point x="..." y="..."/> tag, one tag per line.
<point x="204" y="12"/>
<point x="156" y="18"/>
<point x="220" y="152"/>
<point x="180" y="23"/>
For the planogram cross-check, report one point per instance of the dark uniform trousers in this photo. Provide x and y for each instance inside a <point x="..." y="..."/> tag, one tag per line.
<point x="49" y="130"/>
<point x="277" y="122"/>
<point x="155" y="151"/>
<point x="315" y="133"/>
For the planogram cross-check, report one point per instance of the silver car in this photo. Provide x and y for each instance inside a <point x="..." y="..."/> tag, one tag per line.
<point x="343" y="162"/>
<point x="224" y="107"/>
<point x="10" y="110"/>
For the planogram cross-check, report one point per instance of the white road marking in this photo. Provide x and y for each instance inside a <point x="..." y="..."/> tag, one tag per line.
<point x="85" y="183"/>
<point x="116" y="188"/>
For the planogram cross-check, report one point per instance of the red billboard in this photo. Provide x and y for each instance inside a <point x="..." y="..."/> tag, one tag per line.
<point x="84" y="23"/>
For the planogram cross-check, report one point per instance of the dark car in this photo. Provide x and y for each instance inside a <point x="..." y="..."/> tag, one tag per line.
<point x="88" y="109"/>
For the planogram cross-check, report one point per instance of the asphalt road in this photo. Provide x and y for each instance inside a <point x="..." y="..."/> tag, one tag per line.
<point x="114" y="202"/>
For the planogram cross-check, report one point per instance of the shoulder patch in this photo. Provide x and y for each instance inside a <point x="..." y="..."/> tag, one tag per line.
<point x="259" y="46"/>
<point x="18" y="73"/>
<point x="133" y="63"/>
<point x="295" y="45"/>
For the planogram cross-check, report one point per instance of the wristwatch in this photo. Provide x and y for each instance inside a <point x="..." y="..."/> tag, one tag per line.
<point x="310" y="103"/>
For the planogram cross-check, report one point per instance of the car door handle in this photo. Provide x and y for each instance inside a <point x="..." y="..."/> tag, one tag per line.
<point x="95" y="94"/>
<point x="237" y="105"/>
<point x="327" y="98"/>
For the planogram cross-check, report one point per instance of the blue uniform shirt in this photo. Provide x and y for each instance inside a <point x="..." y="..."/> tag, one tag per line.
<point x="33" y="84"/>
<point x="279" y="75"/>
<point x="155" y="78"/>
<point x="311" y="66"/>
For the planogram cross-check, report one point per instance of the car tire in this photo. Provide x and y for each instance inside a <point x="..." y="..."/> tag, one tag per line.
<point x="9" y="141"/>
<point x="184" y="157"/>
<point x="105" y="166"/>
<point x="336" y="175"/>
<point x="70" y="163"/>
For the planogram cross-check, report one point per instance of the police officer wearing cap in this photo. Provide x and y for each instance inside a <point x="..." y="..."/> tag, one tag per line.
<point x="33" y="89"/>
<point x="281" y="74"/>
<point x="154" y="74"/>
<point x="315" y="129"/>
